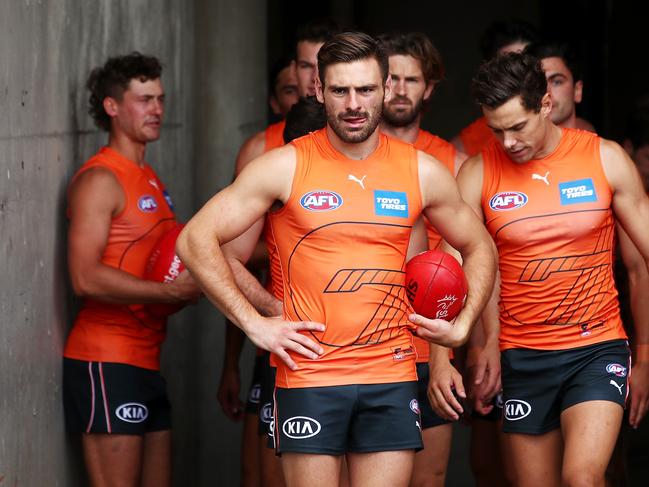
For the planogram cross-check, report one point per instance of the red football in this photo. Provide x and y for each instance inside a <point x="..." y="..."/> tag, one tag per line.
<point x="435" y="285"/>
<point x="165" y="266"/>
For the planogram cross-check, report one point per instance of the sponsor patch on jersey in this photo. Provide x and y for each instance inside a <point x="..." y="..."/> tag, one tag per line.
<point x="414" y="406"/>
<point x="516" y="409"/>
<point x="508" y="200"/>
<point x="616" y="369"/>
<point x="399" y="353"/>
<point x="168" y="199"/>
<point x="132" y="412"/>
<point x="580" y="191"/>
<point x="321" y="200"/>
<point x="391" y="203"/>
<point x="147" y="203"/>
<point x="301" y="427"/>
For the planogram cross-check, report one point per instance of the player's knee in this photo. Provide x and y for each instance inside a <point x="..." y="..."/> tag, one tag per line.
<point x="434" y="478"/>
<point x="580" y="477"/>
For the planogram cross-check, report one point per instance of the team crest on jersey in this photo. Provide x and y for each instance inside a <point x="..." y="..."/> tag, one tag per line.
<point x="391" y="203"/>
<point x="580" y="191"/>
<point x="616" y="369"/>
<point x="147" y="203"/>
<point x="321" y="200"/>
<point x="508" y="200"/>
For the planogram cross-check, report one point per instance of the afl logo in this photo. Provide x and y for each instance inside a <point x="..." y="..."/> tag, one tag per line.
<point x="147" y="203"/>
<point x="321" y="200"/>
<point x="509" y="200"/>
<point x="616" y="369"/>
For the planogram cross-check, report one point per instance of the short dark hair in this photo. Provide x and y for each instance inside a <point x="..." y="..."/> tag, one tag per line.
<point x="278" y="66"/>
<point x="317" y="30"/>
<point x="418" y="46"/>
<point x="637" y="128"/>
<point x="112" y="80"/>
<point x="349" y="47"/>
<point x="307" y="115"/>
<point x="563" y="50"/>
<point x="504" y="32"/>
<point x="509" y="75"/>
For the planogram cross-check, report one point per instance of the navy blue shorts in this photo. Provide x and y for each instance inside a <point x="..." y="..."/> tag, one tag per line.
<point x="352" y="418"/>
<point x="539" y="384"/>
<point x="105" y="397"/>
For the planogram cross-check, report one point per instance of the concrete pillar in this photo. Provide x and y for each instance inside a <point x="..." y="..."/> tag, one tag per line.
<point x="230" y="105"/>
<point x="47" y="49"/>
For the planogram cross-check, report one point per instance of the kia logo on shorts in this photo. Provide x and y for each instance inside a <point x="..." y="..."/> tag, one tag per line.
<point x="321" y="200"/>
<point x="266" y="414"/>
<point x="617" y="369"/>
<point x="509" y="200"/>
<point x="132" y="412"/>
<point x="516" y="409"/>
<point x="301" y="427"/>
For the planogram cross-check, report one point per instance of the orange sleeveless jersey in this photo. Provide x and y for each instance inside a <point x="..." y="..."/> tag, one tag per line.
<point x="342" y="238"/>
<point x="274" y="139"/>
<point x="274" y="135"/>
<point x="106" y="332"/>
<point x="552" y="222"/>
<point x="445" y="153"/>
<point x="475" y="136"/>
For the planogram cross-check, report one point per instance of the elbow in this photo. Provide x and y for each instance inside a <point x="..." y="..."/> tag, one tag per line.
<point x="81" y="286"/>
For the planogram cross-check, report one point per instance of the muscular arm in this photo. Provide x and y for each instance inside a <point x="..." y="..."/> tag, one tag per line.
<point x="631" y="207"/>
<point x="639" y="300"/>
<point x="237" y="252"/>
<point x="459" y="226"/>
<point x="227" y="215"/>
<point x="95" y="198"/>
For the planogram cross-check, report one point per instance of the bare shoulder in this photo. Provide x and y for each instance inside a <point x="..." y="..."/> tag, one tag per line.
<point x="96" y="187"/>
<point x="95" y="179"/>
<point x="430" y="167"/>
<point x="252" y="148"/>
<point x="611" y="149"/>
<point x="271" y="173"/>
<point x="620" y="171"/>
<point x="472" y="167"/>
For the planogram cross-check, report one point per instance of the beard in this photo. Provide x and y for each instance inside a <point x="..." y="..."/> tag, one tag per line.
<point x="357" y="134"/>
<point x="400" y="117"/>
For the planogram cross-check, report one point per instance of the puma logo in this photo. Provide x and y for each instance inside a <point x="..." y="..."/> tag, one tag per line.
<point x="618" y="386"/>
<point x="542" y="178"/>
<point x="153" y="183"/>
<point x="360" y="181"/>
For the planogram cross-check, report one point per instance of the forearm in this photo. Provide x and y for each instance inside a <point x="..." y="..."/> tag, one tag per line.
<point x="250" y="286"/>
<point x="639" y="300"/>
<point x="202" y="255"/>
<point x="234" y="339"/>
<point x="111" y="285"/>
<point x="479" y="269"/>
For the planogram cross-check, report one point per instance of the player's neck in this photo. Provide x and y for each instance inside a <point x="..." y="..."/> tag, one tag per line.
<point x="408" y="133"/>
<point x="354" y="150"/>
<point x="570" y="122"/>
<point x="552" y="140"/>
<point x="130" y="149"/>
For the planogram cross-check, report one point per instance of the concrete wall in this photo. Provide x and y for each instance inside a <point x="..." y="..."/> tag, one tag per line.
<point x="47" y="48"/>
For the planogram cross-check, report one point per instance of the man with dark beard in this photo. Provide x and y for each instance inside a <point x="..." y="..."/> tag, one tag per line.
<point x="415" y="68"/>
<point x="343" y="201"/>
